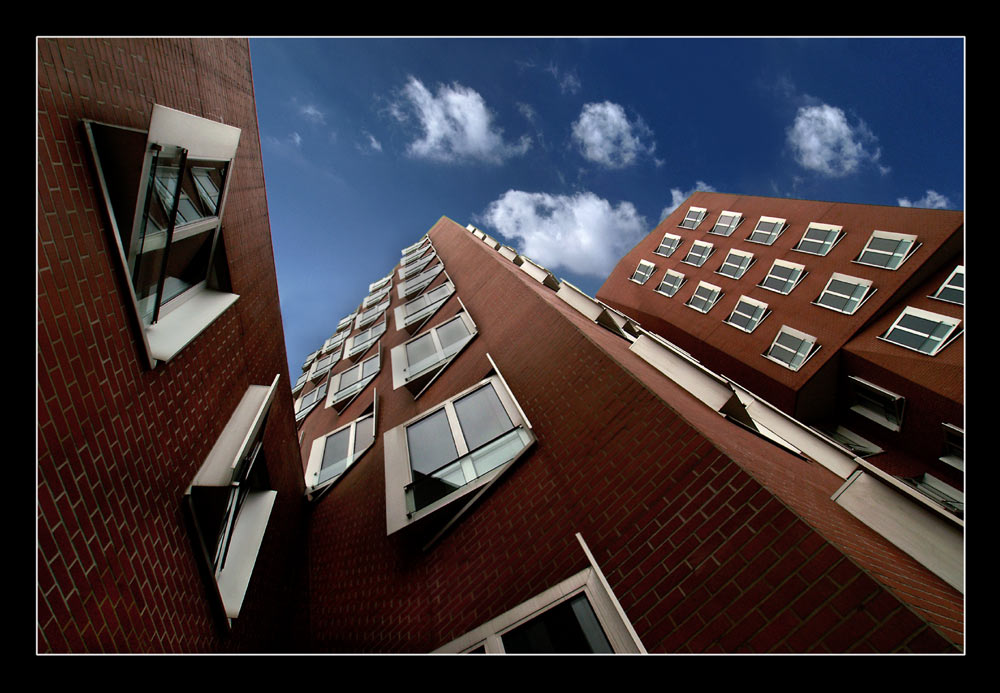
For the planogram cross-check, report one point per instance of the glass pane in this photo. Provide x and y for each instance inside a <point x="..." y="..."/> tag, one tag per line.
<point x="335" y="455"/>
<point x="419" y="350"/>
<point x="364" y="433"/>
<point x="350" y="376"/>
<point x="370" y="367"/>
<point x="569" y="627"/>
<point x="452" y="333"/>
<point x="430" y="443"/>
<point x="482" y="416"/>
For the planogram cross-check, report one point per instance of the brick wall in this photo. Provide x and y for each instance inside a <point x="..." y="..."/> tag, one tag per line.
<point x="118" y="443"/>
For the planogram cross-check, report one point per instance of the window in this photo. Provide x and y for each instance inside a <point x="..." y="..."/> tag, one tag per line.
<point x="944" y="494"/>
<point x="783" y="276"/>
<point x="375" y="286"/>
<point x="736" y="264"/>
<point x="323" y="364"/>
<point x="953" y="290"/>
<point x="451" y="450"/>
<point x="374" y="298"/>
<point x="331" y="455"/>
<point x="704" y="297"/>
<point x="346" y="322"/>
<point x="819" y="238"/>
<point x="668" y="245"/>
<point x="845" y="294"/>
<point x="334" y="341"/>
<point x="693" y="217"/>
<point x="417" y="362"/>
<point x="165" y="192"/>
<point x="307" y="364"/>
<point x="727" y="223"/>
<point x="858" y="446"/>
<point x="643" y="272"/>
<point x="347" y="384"/>
<point x="699" y="253"/>
<point x="887" y="250"/>
<point x="301" y="381"/>
<point x="922" y="330"/>
<point x="953" y="452"/>
<point x="413" y="314"/>
<point x="767" y="230"/>
<point x="359" y="343"/>
<point x="747" y="314"/>
<point x="229" y="501"/>
<point x="368" y="316"/>
<point x="876" y="403"/>
<point x="411" y="269"/>
<point x="792" y="348"/>
<point x="671" y="282"/>
<point x="411" y="287"/>
<point x="308" y="401"/>
<point x="414" y="251"/>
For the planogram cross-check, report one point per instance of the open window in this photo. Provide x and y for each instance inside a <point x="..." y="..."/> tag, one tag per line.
<point x="411" y="287"/>
<point x="165" y="191"/>
<point x="693" y="217"/>
<point x="727" y="223"/>
<point x="923" y="331"/>
<point x="418" y="361"/>
<point x="333" y="454"/>
<point x="672" y="281"/>
<point x="783" y="277"/>
<point x="229" y="501"/>
<point x="413" y="315"/>
<point x="452" y="450"/>
<point x="668" y="245"/>
<point x="747" y="314"/>
<point x="705" y="296"/>
<point x="369" y="315"/>
<point x="416" y="266"/>
<point x="699" y="253"/>
<point x="347" y="384"/>
<point x="876" y="403"/>
<point x="736" y="264"/>
<point x="844" y="293"/>
<point x="767" y="230"/>
<point x="643" y="271"/>
<point x="818" y="238"/>
<point x="323" y="364"/>
<point x="358" y="344"/>
<point x="307" y="402"/>
<point x="953" y="449"/>
<point x="953" y="289"/>
<point x="887" y="250"/>
<point x="792" y="348"/>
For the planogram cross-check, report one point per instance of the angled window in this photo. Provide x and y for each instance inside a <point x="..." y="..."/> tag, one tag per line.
<point x="671" y="282"/>
<point x="451" y="450"/>
<point x="411" y="287"/>
<point x="857" y="445"/>
<point x="747" y="314"/>
<point x="819" y="238"/>
<point x="704" y="297"/>
<point x="370" y="315"/>
<point x="373" y="298"/>
<point x="347" y="322"/>
<point x="165" y="191"/>
<point x="331" y="455"/>
<point x="736" y="264"/>
<point x="359" y="343"/>
<point x="321" y="365"/>
<point x="348" y="383"/>
<point x="300" y="382"/>
<point x="942" y="493"/>
<point x="845" y="294"/>
<point x="727" y="223"/>
<point x="229" y="501"/>
<point x="412" y="315"/>
<point x="376" y="285"/>
<point x="668" y="245"/>
<point x="767" y="230"/>
<point x="307" y="364"/>
<point x="792" y="348"/>
<point x="783" y="276"/>
<point x="922" y="330"/>
<point x="953" y="450"/>
<point x="699" y="253"/>
<point x="693" y="217"/>
<point x="309" y="400"/>
<point x="887" y="250"/>
<point x="413" y="268"/>
<point x="414" y="251"/>
<point x="953" y="290"/>
<point x="335" y="341"/>
<point x="643" y="272"/>
<point x="417" y="362"/>
<point x="876" y="403"/>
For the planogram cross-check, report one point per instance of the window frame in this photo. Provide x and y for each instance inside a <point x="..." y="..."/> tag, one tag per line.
<point x="716" y="294"/>
<point x="699" y="244"/>
<point x="701" y="213"/>
<point x="314" y="462"/>
<point x="827" y="245"/>
<point x="678" y="241"/>
<point x="354" y="349"/>
<point x="318" y="368"/>
<point x="314" y="397"/>
<point x="948" y="285"/>
<point x="876" y="403"/>
<point x="858" y="282"/>
<point x="765" y="311"/>
<point x="418" y="383"/>
<point x="652" y="268"/>
<point x="805" y="338"/>
<point x="413" y="286"/>
<point x="398" y="472"/>
<point x="953" y="333"/>
<point x="334" y="396"/>
<point x="911" y="248"/>
<point x="788" y="265"/>
<point x="954" y="441"/>
<point x="370" y="315"/>
<point x="412" y="323"/>
<point x="772" y="235"/>
<point x="731" y="227"/>
<point x="415" y="267"/>
<point x="748" y="257"/>
<point x="673" y="273"/>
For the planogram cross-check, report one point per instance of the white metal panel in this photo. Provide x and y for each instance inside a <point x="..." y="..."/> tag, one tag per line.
<point x="243" y="549"/>
<point x="180" y="326"/>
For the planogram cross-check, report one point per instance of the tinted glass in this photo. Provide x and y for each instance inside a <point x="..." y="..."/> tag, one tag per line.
<point x="569" y="627"/>
<point x="482" y="417"/>
<point x="430" y="443"/>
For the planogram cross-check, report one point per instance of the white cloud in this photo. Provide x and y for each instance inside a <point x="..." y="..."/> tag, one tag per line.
<point x="582" y="233"/>
<point x="823" y="140"/>
<point x="677" y="196"/>
<point x="932" y="200"/>
<point x="606" y="136"/>
<point x="296" y="139"/>
<point x="371" y="144"/>
<point x="456" y="125"/>
<point x="312" y="113"/>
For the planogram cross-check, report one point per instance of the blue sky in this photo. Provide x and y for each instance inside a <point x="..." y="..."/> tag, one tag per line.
<point x="572" y="150"/>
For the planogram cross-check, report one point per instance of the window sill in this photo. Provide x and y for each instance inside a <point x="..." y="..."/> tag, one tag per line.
<point x="181" y="326"/>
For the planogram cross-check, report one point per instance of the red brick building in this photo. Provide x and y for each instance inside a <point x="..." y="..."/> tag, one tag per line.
<point x="141" y="420"/>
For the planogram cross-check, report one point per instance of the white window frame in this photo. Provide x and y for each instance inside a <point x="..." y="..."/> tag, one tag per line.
<point x="347" y="322"/>
<point x="715" y="293"/>
<point x="730" y="228"/>
<point x="308" y="401"/>
<point x="358" y="344"/>
<point x="367" y="317"/>
<point x="943" y="341"/>
<point x="341" y="398"/>
<point x="323" y="364"/>
<point x="420" y="245"/>
<point x="699" y="246"/>
<point x="740" y="269"/>
<point x="834" y="235"/>
<point x="314" y="463"/>
<point x="875" y="403"/>
<point x="672" y="273"/>
<point x="376" y="285"/>
<point x="374" y="298"/>
<point x="333" y="342"/>
<point x="413" y="268"/>
<point x="300" y="382"/>
<point x="758" y="316"/>
<point x="787" y="265"/>
<point x="857" y="282"/>
<point x="691" y="223"/>
<point x="953" y="449"/>
<point x="806" y="339"/>
<point x="415" y="313"/>
<point x="909" y="240"/>
<point x="677" y="240"/>
<point x="769" y="237"/>
<point x="419" y="381"/>
<point x="645" y="268"/>
<point x="949" y="285"/>
<point x="411" y="287"/>
<point x="399" y="507"/>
